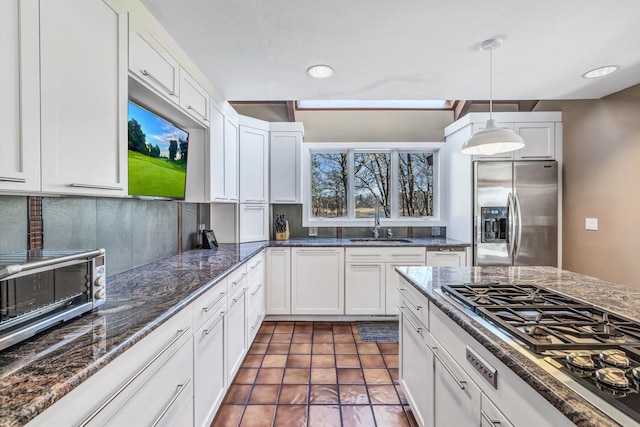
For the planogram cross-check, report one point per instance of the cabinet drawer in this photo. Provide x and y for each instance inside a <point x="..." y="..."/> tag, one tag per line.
<point x="237" y="278"/>
<point x="404" y="254"/>
<point x="415" y="302"/>
<point x="490" y="415"/>
<point x="255" y="271"/>
<point x="209" y="304"/>
<point x="163" y="395"/>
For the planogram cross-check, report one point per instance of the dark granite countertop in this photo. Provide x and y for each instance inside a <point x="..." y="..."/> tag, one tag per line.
<point x="38" y="372"/>
<point x="347" y="242"/>
<point x="614" y="297"/>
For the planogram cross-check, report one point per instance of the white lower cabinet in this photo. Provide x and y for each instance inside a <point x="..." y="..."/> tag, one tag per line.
<point x="392" y="281"/>
<point x="317" y="281"/>
<point x="278" y="281"/>
<point x="365" y="288"/>
<point x="490" y="415"/>
<point x="256" y="295"/>
<point x="236" y="347"/>
<point x="456" y="397"/>
<point x="416" y="368"/>
<point x="447" y="257"/>
<point x="209" y="369"/>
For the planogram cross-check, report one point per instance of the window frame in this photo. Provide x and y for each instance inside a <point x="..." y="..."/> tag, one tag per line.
<point x="439" y="214"/>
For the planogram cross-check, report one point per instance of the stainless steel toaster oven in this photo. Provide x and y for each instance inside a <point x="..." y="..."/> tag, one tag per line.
<point x="42" y="288"/>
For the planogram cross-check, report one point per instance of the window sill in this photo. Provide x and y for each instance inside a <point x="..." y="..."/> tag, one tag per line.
<point x="384" y="223"/>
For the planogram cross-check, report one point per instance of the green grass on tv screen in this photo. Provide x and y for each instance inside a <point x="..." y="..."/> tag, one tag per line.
<point x="152" y="176"/>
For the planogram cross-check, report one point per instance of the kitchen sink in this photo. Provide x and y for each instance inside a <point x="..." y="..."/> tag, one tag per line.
<point x="381" y="240"/>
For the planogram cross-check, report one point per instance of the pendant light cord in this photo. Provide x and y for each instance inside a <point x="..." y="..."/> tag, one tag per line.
<point x="491" y="83"/>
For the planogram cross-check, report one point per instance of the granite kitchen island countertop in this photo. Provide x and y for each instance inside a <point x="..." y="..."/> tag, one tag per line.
<point x="610" y="296"/>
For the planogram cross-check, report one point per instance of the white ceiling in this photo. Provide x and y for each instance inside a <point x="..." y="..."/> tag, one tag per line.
<point x="407" y="49"/>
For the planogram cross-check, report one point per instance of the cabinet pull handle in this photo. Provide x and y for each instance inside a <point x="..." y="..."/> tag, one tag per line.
<point x="235" y="300"/>
<point x="409" y="300"/>
<point x="257" y="321"/>
<point x="256" y="291"/>
<point x="220" y="198"/>
<point x="204" y="119"/>
<point x="256" y="264"/>
<point x="239" y="279"/>
<point x="488" y="419"/>
<point x="206" y="309"/>
<point x="206" y="331"/>
<point x="179" y="390"/>
<point x="312" y="252"/>
<point x="406" y="317"/>
<point x="254" y="201"/>
<point x="11" y="179"/>
<point x="151" y="77"/>
<point x="406" y="255"/>
<point x="460" y="382"/>
<point x="96" y="187"/>
<point x="364" y="265"/>
<point x="135" y="376"/>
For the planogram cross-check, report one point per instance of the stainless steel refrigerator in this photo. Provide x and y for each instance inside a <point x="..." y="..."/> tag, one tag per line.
<point x="515" y="213"/>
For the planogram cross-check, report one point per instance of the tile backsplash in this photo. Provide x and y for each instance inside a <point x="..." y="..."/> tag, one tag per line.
<point x="134" y="232"/>
<point x="293" y="214"/>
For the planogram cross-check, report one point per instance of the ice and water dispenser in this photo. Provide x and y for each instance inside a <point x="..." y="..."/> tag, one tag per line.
<point x="494" y="224"/>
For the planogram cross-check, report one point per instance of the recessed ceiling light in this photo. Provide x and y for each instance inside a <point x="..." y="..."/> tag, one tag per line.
<point x="320" y="71"/>
<point x="600" y="72"/>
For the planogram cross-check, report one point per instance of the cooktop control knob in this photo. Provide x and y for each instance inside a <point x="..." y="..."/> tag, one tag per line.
<point x="613" y="377"/>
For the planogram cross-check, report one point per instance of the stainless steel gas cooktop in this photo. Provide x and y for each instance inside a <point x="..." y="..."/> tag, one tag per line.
<point x="598" y="349"/>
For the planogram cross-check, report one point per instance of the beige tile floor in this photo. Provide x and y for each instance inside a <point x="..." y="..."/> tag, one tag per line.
<point x="316" y="374"/>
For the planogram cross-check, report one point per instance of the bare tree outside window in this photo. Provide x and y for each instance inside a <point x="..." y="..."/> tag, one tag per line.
<point x="372" y="181"/>
<point x="415" y="184"/>
<point x="329" y="185"/>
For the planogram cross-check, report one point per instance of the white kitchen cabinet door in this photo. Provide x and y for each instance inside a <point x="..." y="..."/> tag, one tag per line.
<point x="278" y="281"/>
<point x="456" y="397"/>
<point x="193" y="98"/>
<point x="539" y="139"/>
<point x="217" y="161"/>
<point x="365" y="288"/>
<point x="237" y="333"/>
<point x="317" y="281"/>
<point x="392" y="281"/>
<point x="254" y="165"/>
<point x="209" y="373"/>
<point x="20" y="96"/>
<point x="447" y="258"/>
<point x="153" y="65"/>
<point x="416" y="369"/>
<point x="285" y="161"/>
<point x="231" y="140"/>
<point x="83" y="86"/>
<point x="254" y="222"/>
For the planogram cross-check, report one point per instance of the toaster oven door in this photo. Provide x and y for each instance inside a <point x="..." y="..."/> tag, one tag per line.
<point x="41" y="293"/>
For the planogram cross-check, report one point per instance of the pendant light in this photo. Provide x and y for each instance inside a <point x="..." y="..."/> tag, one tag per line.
<point x="492" y="139"/>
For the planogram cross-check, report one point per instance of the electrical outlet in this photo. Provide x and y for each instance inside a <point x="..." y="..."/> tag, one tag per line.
<point x="591" y="224"/>
<point x="313" y="231"/>
<point x="435" y="231"/>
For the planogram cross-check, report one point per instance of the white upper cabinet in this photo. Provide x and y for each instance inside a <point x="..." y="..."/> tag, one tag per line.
<point x="83" y="89"/>
<point x="285" y="160"/>
<point x="154" y="65"/>
<point x="254" y="161"/>
<point x="225" y="132"/>
<point x="193" y="98"/>
<point x="19" y="96"/>
<point x="539" y="139"/>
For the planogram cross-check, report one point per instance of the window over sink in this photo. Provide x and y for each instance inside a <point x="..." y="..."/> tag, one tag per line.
<point x="344" y="183"/>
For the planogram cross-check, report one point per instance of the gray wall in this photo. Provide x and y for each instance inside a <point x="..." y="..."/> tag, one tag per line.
<point x="133" y="232"/>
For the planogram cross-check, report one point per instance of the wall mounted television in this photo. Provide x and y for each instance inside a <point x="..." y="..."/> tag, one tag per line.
<point x="157" y="155"/>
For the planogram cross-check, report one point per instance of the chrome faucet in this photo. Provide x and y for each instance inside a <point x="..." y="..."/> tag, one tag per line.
<point x="376" y="220"/>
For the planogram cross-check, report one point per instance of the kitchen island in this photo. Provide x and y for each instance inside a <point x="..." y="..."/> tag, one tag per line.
<point x="455" y="328"/>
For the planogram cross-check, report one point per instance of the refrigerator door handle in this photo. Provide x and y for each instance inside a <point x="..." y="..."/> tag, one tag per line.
<point x="511" y="231"/>
<point x="518" y="224"/>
